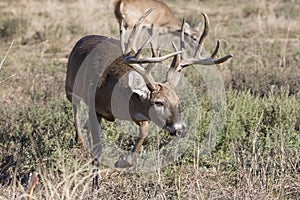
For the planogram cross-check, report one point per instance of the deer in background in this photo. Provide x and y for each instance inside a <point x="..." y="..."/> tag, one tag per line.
<point x="105" y="82"/>
<point x="32" y="185"/>
<point x="162" y="16"/>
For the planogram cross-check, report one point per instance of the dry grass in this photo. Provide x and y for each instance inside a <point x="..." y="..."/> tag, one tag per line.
<point x="257" y="157"/>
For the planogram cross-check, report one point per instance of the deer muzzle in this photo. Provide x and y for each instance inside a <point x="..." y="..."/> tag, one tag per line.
<point x="177" y="129"/>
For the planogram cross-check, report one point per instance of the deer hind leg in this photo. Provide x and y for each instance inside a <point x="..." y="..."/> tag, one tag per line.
<point x="78" y="133"/>
<point x="94" y="129"/>
<point x="129" y="159"/>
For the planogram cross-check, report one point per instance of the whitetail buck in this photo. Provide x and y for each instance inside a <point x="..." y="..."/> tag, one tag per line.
<point x="106" y="81"/>
<point x="162" y="16"/>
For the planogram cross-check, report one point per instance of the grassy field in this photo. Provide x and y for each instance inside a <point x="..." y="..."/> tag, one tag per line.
<point x="257" y="149"/>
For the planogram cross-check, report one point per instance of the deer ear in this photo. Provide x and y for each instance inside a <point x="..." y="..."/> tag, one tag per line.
<point x="172" y="75"/>
<point x="137" y="84"/>
<point x="197" y="26"/>
<point x="187" y="28"/>
<point x="192" y="32"/>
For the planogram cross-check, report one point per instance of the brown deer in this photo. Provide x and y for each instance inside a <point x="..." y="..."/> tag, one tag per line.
<point x="106" y="73"/>
<point x="162" y="16"/>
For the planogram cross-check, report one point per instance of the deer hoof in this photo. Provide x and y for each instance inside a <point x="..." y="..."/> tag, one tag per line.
<point x="125" y="161"/>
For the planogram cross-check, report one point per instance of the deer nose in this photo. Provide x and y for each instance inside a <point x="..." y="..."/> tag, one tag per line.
<point x="181" y="130"/>
<point x="178" y="129"/>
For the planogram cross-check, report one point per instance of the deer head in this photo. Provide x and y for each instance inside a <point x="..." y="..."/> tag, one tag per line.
<point x="159" y="100"/>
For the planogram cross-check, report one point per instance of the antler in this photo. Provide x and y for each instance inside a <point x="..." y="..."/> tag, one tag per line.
<point x="181" y="62"/>
<point x="197" y="59"/>
<point x="134" y="59"/>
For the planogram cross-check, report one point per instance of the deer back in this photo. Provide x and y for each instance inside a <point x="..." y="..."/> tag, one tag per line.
<point x="131" y="10"/>
<point x="89" y="60"/>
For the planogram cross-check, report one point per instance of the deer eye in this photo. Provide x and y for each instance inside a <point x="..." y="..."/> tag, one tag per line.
<point x="159" y="103"/>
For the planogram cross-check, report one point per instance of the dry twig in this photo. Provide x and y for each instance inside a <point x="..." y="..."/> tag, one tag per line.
<point x="2" y="61"/>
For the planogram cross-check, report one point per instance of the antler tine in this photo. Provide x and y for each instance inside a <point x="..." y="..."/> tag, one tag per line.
<point x="149" y="40"/>
<point x="214" y="54"/>
<point x="175" y="65"/>
<point x="122" y="36"/>
<point x="135" y="29"/>
<point x="150" y="66"/>
<point x="174" y="46"/>
<point x="203" y="35"/>
<point x="182" y="44"/>
<point x="152" y="50"/>
<point x="223" y="59"/>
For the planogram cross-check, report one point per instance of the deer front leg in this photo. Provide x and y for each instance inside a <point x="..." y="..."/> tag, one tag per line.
<point x="129" y="159"/>
<point x="94" y="130"/>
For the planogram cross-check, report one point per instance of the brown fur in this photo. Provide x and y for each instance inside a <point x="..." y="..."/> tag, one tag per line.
<point x="131" y="10"/>
<point x="161" y="17"/>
